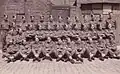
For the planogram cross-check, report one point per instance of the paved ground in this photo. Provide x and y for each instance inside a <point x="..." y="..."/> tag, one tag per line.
<point x="46" y="67"/>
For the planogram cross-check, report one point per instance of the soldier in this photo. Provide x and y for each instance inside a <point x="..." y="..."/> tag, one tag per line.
<point x="13" y="32"/>
<point x="110" y="52"/>
<point x="110" y="23"/>
<point x="60" y="53"/>
<point x="25" y="50"/>
<point x="91" y="25"/>
<point x="77" y="24"/>
<point x="14" y="21"/>
<point x="23" y="19"/>
<point x="23" y="25"/>
<point x="101" y="49"/>
<point x="52" y="25"/>
<point x="29" y="26"/>
<point x="32" y="18"/>
<point x="5" y="17"/>
<point x="9" y="39"/>
<point x="47" y="50"/>
<point x="90" y="48"/>
<point x="60" y="23"/>
<point x="42" y="24"/>
<point x="5" y="23"/>
<point x="99" y="24"/>
<point x="78" y="50"/>
<point x="69" y="23"/>
<point x="11" y="52"/>
<point x="69" y="53"/>
<point x="36" y="49"/>
<point x="117" y="52"/>
<point x="82" y="27"/>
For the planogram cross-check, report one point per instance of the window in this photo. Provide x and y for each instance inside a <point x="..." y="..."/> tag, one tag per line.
<point x="107" y="8"/>
<point x="86" y="9"/>
<point x="97" y="8"/>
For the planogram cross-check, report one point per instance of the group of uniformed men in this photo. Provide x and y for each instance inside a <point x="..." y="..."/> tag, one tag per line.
<point x="70" y="41"/>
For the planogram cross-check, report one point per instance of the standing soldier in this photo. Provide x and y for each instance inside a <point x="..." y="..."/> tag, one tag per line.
<point x="110" y="23"/>
<point x="23" y="24"/>
<point x="51" y="24"/>
<point x="77" y="24"/>
<point x="99" y="24"/>
<point x="69" y="23"/>
<point x="5" y="23"/>
<point x="14" y="20"/>
<point x="32" y="18"/>
<point x="42" y="24"/>
<point x="60" y="23"/>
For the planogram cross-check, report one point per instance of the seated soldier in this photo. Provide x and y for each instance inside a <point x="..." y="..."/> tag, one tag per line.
<point x="68" y="54"/>
<point x="9" y="39"/>
<point x="100" y="46"/>
<point x="60" y="53"/>
<point x="25" y="50"/>
<point x="79" y="51"/>
<point x="46" y="50"/>
<point x="90" y="50"/>
<point x="117" y="52"/>
<point x="110" y="53"/>
<point x="36" y="49"/>
<point x="11" y="52"/>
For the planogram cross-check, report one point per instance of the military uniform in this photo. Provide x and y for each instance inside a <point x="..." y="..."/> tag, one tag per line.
<point x="5" y="24"/>
<point x="36" y="50"/>
<point x="60" y="53"/>
<point x="25" y="51"/>
<point x="68" y="24"/>
<point x="52" y="25"/>
<point x="9" y="39"/>
<point x="47" y="51"/>
<point x="11" y="52"/>
<point x="79" y="51"/>
<point x="60" y="23"/>
<point x="78" y="24"/>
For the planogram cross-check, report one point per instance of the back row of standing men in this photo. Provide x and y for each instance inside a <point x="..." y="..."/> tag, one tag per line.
<point x="91" y="25"/>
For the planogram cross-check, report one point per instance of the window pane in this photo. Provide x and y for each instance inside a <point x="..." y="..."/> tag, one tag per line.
<point x="107" y="8"/>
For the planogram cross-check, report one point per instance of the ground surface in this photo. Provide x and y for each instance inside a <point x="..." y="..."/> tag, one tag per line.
<point x="110" y="66"/>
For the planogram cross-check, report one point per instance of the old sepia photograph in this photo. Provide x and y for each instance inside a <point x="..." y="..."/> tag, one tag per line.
<point x="59" y="36"/>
